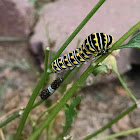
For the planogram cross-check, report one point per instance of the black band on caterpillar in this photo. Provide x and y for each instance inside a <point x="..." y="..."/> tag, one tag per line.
<point x="51" y="89"/>
<point x="94" y="45"/>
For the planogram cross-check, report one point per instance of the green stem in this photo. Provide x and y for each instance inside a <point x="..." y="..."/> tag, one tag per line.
<point x="16" y="114"/>
<point x="37" y="104"/>
<point x="76" y="31"/>
<point x="125" y="87"/>
<point x="67" y="74"/>
<point x="111" y="122"/>
<point x="63" y="101"/>
<point x="126" y="35"/>
<point x="48" y="110"/>
<point x="12" y="39"/>
<point x="30" y="104"/>
<point x="46" y="58"/>
<point x="47" y="51"/>
<point x="49" y="130"/>
<point x="120" y="134"/>
<point x="78" y="83"/>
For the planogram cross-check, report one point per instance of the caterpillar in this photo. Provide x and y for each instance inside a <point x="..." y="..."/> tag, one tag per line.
<point x="94" y="45"/>
<point x="51" y="89"/>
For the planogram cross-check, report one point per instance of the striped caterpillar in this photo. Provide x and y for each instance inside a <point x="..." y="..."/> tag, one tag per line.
<point x="94" y="45"/>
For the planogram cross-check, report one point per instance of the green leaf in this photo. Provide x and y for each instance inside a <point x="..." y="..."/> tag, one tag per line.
<point x="70" y="113"/>
<point x="100" y="69"/>
<point x="133" y="43"/>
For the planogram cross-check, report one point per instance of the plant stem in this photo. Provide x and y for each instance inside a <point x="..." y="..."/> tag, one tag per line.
<point x="62" y="102"/>
<point x="120" y="134"/>
<point x="47" y="110"/>
<point x="78" y="83"/>
<point x="37" y="104"/>
<point x="49" y="131"/>
<point x="111" y="122"/>
<point x="126" y="35"/>
<point x="67" y="74"/>
<point x="12" y="39"/>
<point x="16" y="114"/>
<point x="47" y="51"/>
<point x="46" y="58"/>
<point x="76" y="31"/>
<point x="126" y="88"/>
<point x="30" y="104"/>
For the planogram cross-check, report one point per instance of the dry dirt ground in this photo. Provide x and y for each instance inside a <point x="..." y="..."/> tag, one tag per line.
<point x="19" y="75"/>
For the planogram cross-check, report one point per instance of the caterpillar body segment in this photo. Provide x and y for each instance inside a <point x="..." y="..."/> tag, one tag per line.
<point x="51" y="89"/>
<point x="94" y="45"/>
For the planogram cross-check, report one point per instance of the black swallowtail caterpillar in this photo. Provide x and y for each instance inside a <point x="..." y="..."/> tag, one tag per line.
<point x="94" y="45"/>
<point x="51" y="89"/>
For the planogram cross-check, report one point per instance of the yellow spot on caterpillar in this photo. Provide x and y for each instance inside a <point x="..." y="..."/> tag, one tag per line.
<point x="65" y="54"/>
<point x="91" y="49"/>
<point x="81" y="59"/>
<point x="60" y="62"/>
<point x="68" y="64"/>
<point x="57" y="68"/>
<point x="65" y="59"/>
<point x="87" y="43"/>
<point x="72" y="57"/>
<point x="83" y="48"/>
<point x="74" y="62"/>
<point x="96" y="44"/>
<point x="63" y="66"/>
<point x="81" y="52"/>
<point x="93" y="33"/>
<point x="86" y="56"/>
<point x="105" y="41"/>
<point x="88" y="52"/>
<point x="95" y="39"/>
<point x="55" y="65"/>
<point x="77" y="54"/>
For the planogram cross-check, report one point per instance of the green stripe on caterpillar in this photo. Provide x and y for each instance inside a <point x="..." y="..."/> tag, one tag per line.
<point x="94" y="45"/>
